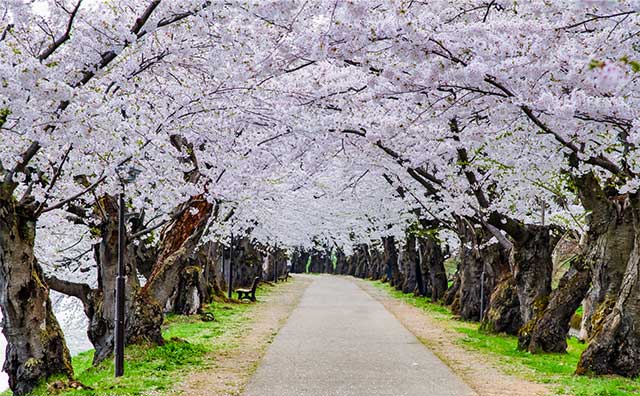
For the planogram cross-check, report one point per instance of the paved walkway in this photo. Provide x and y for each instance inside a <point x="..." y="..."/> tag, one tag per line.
<point x="341" y="342"/>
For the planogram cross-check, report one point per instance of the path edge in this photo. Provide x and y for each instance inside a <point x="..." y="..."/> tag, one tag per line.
<point x="483" y="385"/>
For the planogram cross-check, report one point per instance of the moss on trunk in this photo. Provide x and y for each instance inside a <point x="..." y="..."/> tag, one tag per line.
<point x="36" y="348"/>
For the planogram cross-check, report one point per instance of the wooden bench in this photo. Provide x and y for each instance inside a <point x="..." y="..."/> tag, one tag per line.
<point x="249" y="294"/>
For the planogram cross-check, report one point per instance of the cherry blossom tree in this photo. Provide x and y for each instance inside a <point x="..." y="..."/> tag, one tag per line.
<point x="352" y="127"/>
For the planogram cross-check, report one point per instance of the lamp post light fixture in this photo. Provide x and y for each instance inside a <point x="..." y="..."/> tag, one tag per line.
<point x="119" y="341"/>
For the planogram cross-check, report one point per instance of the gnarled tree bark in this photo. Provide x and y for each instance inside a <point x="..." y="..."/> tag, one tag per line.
<point x="318" y="261"/>
<point x="143" y="318"/>
<point x="613" y="252"/>
<point x="36" y="348"/>
<point x="341" y="262"/>
<point x="533" y="268"/>
<point x="615" y="345"/>
<point x="408" y="265"/>
<point x="608" y="245"/>
<point x="210" y="258"/>
<point x="177" y="245"/>
<point x="432" y="267"/>
<point x="503" y="315"/>
<point x="362" y="261"/>
<point x="478" y="270"/>
<point x="392" y="272"/>
<point x="375" y="262"/>
<point x="452" y="295"/>
<point x="548" y="331"/>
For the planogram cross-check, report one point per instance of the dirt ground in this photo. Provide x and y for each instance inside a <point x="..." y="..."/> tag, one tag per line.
<point x="478" y="370"/>
<point x="228" y="372"/>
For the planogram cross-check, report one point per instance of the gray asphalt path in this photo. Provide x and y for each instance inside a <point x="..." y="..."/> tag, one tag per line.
<point x="339" y="341"/>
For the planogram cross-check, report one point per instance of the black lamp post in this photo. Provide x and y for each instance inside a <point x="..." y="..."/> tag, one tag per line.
<point x="275" y="265"/>
<point x="120" y="291"/>
<point x="231" y="253"/>
<point x="119" y="341"/>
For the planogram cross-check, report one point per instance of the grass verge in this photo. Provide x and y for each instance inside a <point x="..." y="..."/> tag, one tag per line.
<point x="554" y="369"/>
<point x="152" y="370"/>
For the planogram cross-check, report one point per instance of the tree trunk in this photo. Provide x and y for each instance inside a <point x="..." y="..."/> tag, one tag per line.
<point x="317" y="261"/>
<point x="376" y="265"/>
<point x="351" y="264"/>
<point x="425" y="287"/>
<point x="363" y="261"/>
<point x="281" y="256"/>
<point x="209" y="255"/>
<point x="471" y="266"/>
<point x="221" y="267"/>
<point x="249" y="262"/>
<point x="144" y="255"/>
<point x="190" y="295"/>
<point x="304" y="260"/>
<point x="401" y="276"/>
<point x="608" y="246"/>
<point x="503" y="315"/>
<point x="615" y="337"/>
<point x="392" y="272"/>
<point x="421" y="287"/>
<point x="341" y="262"/>
<point x="276" y="264"/>
<point x="548" y="332"/>
<point x="328" y="262"/>
<point x="408" y="265"/>
<point x="36" y="348"/>
<point x="588" y="308"/>
<point x="371" y="265"/>
<point x="143" y="318"/>
<point x="178" y="243"/>
<point x="299" y="261"/>
<point x="269" y="267"/>
<point x="479" y="270"/>
<point x="432" y="266"/>
<point x="452" y="295"/>
<point x="533" y="269"/>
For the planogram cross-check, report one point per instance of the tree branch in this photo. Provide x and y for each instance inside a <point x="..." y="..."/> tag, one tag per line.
<point x="92" y="186"/>
<point x="109" y="56"/>
<point x="78" y="290"/>
<point x="426" y="179"/>
<point x="600" y="161"/>
<point x="595" y="18"/>
<point x="74" y="197"/>
<point x="54" y="179"/>
<point x="514" y="228"/>
<point x="505" y="242"/>
<point x="62" y="39"/>
<point x="148" y="230"/>
<point x="6" y="31"/>
<point x="26" y="157"/>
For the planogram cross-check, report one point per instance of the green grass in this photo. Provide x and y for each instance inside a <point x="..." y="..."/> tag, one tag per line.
<point x="554" y="369"/>
<point x="156" y="369"/>
<point x="437" y="311"/>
